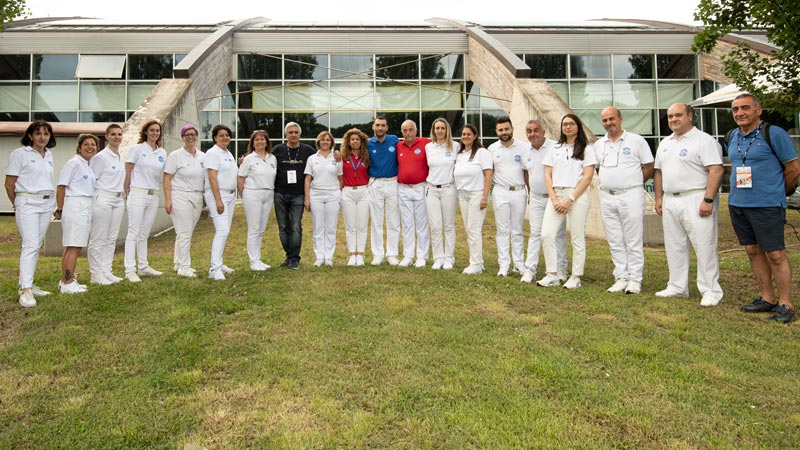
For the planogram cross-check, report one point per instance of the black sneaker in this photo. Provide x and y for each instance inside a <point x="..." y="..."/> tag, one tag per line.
<point x="294" y="265"/>
<point x="758" y="305"/>
<point x="782" y="314"/>
<point x="285" y="263"/>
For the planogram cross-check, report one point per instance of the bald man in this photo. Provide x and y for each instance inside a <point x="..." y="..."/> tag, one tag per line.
<point x="412" y="166"/>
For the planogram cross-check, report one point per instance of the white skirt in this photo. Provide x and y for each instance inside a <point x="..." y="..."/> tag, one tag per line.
<point x="76" y="221"/>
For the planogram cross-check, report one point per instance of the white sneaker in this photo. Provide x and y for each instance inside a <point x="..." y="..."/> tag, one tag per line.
<point x="216" y="275"/>
<point x="392" y="260"/>
<point x="618" y="286"/>
<point x="184" y="272"/>
<point x="176" y="267"/>
<point x="112" y="278"/>
<point x="437" y="264"/>
<point x="549" y="280"/>
<point x="39" y="292"/>
<point x="318" y="263"/>
<point x="472" y="270"/>
<point x="519" y="269"/>
<point x="359" y="260"/>
<point x="669" y="292"/>
<point x="503" y="272"/>
<point x="71" y="288"/>
<point x="420" y="263"/>
<point x="528" y="276"/>
<point x="406" y="262"/>
<point x="574" y="282"/>
<point x="226" y="269"/>
<point x="447" y="265"/>
<point x="26" y="298"/>
<point x="709" y="300"/>
<point x="132" y="277"/>
<point x="329" y="262"/>
<point x="101" y="280"/>
<point x="633" y="287"/>
<point x="258" y="266"/>
<point x="562" y="275"/>
<point x="377" y="261"/>
<point x="149" y="271"/>
<point x="352" y="261"/>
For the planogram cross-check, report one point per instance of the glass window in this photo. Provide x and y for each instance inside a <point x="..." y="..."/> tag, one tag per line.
<point x="54" y="67"/>
<point x="343" y="121"/>
<point x="591" y="118"/>
<point x="15" y="67"/>
<point x="709" y="120"/>
<point x="590" y="66"/>
<point x="259" y="67"/>
<point x="102" y="116"/>
<point x="270" y="122"/>
<point x="15" y="97"/>
<point x="351" y="66"/>
<point x="397" y="97"/>
<point x="669" y="93"/>
<point x="561" y="88"/>
<point x="14" y="116"/>
<point x="547" y="66"/>
<point x="149" y="67"/>
<point x="108" y="96"/>
<point x="590" y="94"/>
<point x="55" y="96"/>
<point x="635" y="94"/>
<point x="312" y="123"/>
<point x="676" y="66"/>
<point x="725" y="120"/>
<point x="306" y="67"/>
<point x="266" y="97"/>
<point x="100" y="66"/>
<point x="395" y="120"/>
<point x="56" y="116"/>
<point x="454" y="118"/>
<point x="488" y="122"/>
<point x="639" y="121"/>
<point x="442" y="96"/>
<point x="137" y="93"/>
<point x="308" y="97"/>
<point x="633" y="67"/>
<point x="442" y="67"/>
<point x="397" y="67"/>
<point x="352" y="95"/>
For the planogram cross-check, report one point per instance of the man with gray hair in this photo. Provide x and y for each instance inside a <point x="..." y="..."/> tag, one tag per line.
<point x="412" y="171"/>
<point x="289" y="192"/>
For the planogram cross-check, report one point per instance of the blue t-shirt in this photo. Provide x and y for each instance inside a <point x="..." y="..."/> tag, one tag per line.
<point x="768" y="183"/>
<point x="383" y="157"/>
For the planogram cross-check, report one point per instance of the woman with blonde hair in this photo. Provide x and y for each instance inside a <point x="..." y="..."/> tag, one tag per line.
<point x="323" y="197"/>
<point x="256" y="184"/>
<point x="441" y="198"/>
<point x="355" y="196"/>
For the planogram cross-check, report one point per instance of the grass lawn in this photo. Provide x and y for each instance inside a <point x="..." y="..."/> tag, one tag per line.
<point x="391" y="358"/>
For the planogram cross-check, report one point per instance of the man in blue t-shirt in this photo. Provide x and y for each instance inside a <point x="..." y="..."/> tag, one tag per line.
<point x="382" y="149"/>
<point x="757" y="203"/>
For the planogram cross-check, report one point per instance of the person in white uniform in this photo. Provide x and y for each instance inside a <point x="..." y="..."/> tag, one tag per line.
<point x="74" y="198"/>
<point x="355" y="196"/>
<point x="183" y="196"/>
<point x="107" y="208"/>
<point x="625" y="162"/>
<point x="569" y="168"/>
<point x="144" y="166"/>
<point x="688" y="173"/>
<point x="412" y="173"/>
<point x="441" y="198"/>
<point x="473" y="178"/>
<point x="220" y="196"/>
<point x="510" y="158"/>
<point x="256" y="184"/>
<point x="323" y="197"/>
<point x="539" y="198"/>
<point x="29" y="186"/>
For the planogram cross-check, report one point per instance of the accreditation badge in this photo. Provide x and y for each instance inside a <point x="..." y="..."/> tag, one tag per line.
<point x="291" y="177"/>
<point x="744" y="177"/>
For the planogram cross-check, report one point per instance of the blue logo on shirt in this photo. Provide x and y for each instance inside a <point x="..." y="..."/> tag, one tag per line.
<point x="497" y="156"/>
<point x="683" y="153"/>
<point x="375" y="151"/>
<point x="160" y="159"/>
<point x="51" y="163"/>
<point x="391" y="148"/>
<point x="272" y="165"/>
<point x="113" y="167"/>
<point x="517" y="158"/>
<point x="417" y="151"/>
<point x="33" y="161"/>
<point x="449" y="154"/>
<point x="86" y="177"/>
<point x="626" y="151"/>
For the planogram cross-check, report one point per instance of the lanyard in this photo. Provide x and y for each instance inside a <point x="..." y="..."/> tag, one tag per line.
<point x="355" y="166"/>
<point x="752" y="139"/>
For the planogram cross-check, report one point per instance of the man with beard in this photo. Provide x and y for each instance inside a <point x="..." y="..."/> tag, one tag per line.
<point x="382" y="190"/>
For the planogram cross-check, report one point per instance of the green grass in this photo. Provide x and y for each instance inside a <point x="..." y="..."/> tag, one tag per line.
<point x="390" y="358"/>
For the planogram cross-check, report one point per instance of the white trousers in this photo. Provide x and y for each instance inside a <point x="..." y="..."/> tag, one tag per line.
<point x="536" y="209"/>
<point x="509" y="217"/>
<point x="383" y="200"/>
<point x="222" y="225"/>
<point x="355" y="210"/>
<point x="442" y="204"/>
<point x="107" y="214"/>
<point x="623" y="220"/>
<point x="186" y="209"/>
<point x="257" y="205"/>
<point x="325" y="206"/>
<point x="683" y="226"/>
<point x="414" y="217"/>
<point x="473" y="216"/>
<point x="553" y="221"/>
<point x="142" y="209"/>
<point x="33" y="217"/>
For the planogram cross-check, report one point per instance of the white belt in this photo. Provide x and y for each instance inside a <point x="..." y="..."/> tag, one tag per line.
<point x="384" y="179"/>
<point x="690" y="191"/>
<point x="145" y="191"/>
<point x="620" y="191"/>
<point x="39" y="195"/>
<point x="511" y="188"/>
<point x="355" y="188"/>
<point x="105" y="193"/>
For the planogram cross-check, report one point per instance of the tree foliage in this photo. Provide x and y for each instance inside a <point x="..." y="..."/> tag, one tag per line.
<point x="753" y="71"/>
<point x="10" y="10"/>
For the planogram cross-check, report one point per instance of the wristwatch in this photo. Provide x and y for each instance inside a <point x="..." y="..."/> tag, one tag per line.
<point x="708" y="200"/>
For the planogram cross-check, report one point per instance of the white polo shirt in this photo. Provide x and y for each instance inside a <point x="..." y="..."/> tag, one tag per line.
<point x="34" y="173"/>
<point x="621" y="162"/>
<point x="109" y="170"/>
<point x="148" y="166"/>
<point x="536" y="168"/>
<point x="187" y="170"/>
<point x="568" y="171"/>
<point x="259" y="173"/>
<point x="683" y="161"/>
<point x="325" y="171"/>
<point x="223" y="162"/>
<point x="469" y="174"/>
<point x="78" y="178"/>
<point x="510" y="163"/>
<point x="441" y="162"/>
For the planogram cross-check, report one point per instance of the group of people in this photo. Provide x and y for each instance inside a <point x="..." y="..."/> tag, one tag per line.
<point x="415" y="184"/>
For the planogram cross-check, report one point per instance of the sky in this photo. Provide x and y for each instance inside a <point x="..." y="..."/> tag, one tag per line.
<point x="363" y="11"/>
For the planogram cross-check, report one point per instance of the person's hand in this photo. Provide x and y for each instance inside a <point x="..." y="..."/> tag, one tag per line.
<point x="220" y="207"/>
<point x="484" y="203"/>
<point x="168" y="207"/>
<point x="307" y="204"/>
<point x="658" y="207"/>
<point x="706" y="209"/>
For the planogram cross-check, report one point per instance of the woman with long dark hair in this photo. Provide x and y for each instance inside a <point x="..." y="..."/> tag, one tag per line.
<point x="220" y="196"/>
<point x="355" y="196"/>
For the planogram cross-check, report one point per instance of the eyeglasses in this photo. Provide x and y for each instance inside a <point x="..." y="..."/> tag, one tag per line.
<point x="569" y="124"/>
<point x="190" y="135"/>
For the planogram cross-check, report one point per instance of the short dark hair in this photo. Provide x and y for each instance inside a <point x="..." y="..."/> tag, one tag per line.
<point x="503" y="119"/>
<point x="34" y="127"/>
<point x="217" y="128"/>
<point x="756" y="100"/>
<point x="86" y="137"/>
<point x="380" y="117"/>
<point x="111" y="127"/>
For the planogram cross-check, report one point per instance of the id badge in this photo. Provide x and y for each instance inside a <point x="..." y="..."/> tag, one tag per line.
<point x="744" y="178"/>
<point x="291" y="177"/>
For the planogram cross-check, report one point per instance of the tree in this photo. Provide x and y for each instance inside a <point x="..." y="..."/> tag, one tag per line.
<point x="755" y="72"/>
<point x="10" y="10"/>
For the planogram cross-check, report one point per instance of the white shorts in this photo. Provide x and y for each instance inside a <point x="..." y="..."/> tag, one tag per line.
<point x="76" y="221"/>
